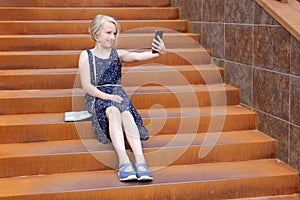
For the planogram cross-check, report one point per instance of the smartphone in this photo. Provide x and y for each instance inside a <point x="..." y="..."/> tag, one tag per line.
<point x="160" y="34"/>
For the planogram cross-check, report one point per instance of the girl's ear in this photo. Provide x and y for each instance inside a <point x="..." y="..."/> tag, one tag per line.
<point x="96" y="36"/>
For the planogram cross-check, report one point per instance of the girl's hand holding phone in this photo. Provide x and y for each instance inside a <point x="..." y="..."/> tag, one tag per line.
<point x="158" y="45"/>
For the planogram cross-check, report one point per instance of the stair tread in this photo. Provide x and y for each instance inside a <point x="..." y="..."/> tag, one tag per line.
<point x="100" y="180"/>
<point x="48" y="93"/>
<point x="89" y="20"/>
<point x="147" y="68"/>
<point x="45" y="52"/>
<point x="53" y="59"/>
<point x="57" y="36"/>
<point x="65" y="78"/>
<point x="39" y="27"/>
<point x="30" y="13"/>
<point x="90" y="3"/>
<point x="89" y="8"/>
<point x="24" y="72"/>
<point x="160" y="141"/>
<point x="83" y="41"/>
<point x="58" y="118"/>
<point x="276" y="197"/>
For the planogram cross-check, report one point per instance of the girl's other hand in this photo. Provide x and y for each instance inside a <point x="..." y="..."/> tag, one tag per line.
<point x="115" y="98"/>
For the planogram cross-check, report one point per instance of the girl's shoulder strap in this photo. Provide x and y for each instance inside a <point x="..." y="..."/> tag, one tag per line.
<point x="115" y="55"/>
<point x="114" y="52"/>
<point x="92" y="66"/>
<point x="89" y="52"/>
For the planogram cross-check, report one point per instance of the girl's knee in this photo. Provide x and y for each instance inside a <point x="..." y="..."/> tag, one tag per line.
<point x="127" y="116"/>
<point x="112" y="112"/>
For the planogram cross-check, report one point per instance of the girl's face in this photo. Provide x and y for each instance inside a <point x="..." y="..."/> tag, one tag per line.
<point x="107" y="36"/>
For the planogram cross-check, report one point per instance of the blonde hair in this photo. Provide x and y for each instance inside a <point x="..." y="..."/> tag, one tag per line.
<point x="97" y="25"/>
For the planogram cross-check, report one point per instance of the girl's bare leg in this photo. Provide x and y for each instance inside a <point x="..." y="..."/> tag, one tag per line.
<point x="116" y="134"/>
<point x="133" y="136"/>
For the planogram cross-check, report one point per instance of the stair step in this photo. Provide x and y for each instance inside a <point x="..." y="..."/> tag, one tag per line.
<point x="275" y="197"/>
<point x="87" y="13"/>
<point x="132" y="76"/>
<point x="172" y="75"/>
<point x="81" y="26"/>
<point x="80" y="3"/>
<point x="38" y="79"/>
<point x="90" y="155"/>
<point x="63" y="100"/>
<point x="51" y="126"/>
<point x="75" y="42"/>
<point x="184" y="96"/>
<point x="199" y="181"/>
<point x="69" y="59"/>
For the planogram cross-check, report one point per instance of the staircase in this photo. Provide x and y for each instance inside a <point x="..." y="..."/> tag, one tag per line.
<point x="203" y="145"/>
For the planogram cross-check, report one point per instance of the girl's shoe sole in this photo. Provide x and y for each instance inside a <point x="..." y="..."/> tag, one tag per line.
<point x="145" y="178"/>
<point x="129" y="178"/>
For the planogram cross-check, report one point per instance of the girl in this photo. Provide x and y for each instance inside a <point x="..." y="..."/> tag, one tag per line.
<point x="112" y="110"/>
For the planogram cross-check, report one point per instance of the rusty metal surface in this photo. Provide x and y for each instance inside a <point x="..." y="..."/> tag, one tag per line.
<point x="195" y="151"/>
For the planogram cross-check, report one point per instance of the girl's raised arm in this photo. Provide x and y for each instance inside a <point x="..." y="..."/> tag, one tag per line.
<point x="158" y="45"/>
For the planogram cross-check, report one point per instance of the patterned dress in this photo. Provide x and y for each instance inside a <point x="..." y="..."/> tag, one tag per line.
<point x="108" y="79"/>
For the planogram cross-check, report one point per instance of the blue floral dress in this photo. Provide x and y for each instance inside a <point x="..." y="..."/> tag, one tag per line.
<point x="108" y="80"/>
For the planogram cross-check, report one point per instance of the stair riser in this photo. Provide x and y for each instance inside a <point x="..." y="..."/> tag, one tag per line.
<point x="65" y="59"/>
<point x="87" y="13"/>
<point x="85" y="42"/>
<point x="29" y="82"/>
<point x="173" y="77"/>
<point x="80" y="3"/>
<point x="70" y="79"/>
<point x="186" y="99"/>
<point x="77" y="162"/>
<point x="39" y="105"/>
<point x="51" y="132"/>
<point x="56" y="131"/>
<point x="81" y="27"/>
<point x="205" y="124"/>
<point x="171" y="99"/>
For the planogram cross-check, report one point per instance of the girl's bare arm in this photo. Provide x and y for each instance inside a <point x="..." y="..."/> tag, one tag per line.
<point x="127" y="56"/>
